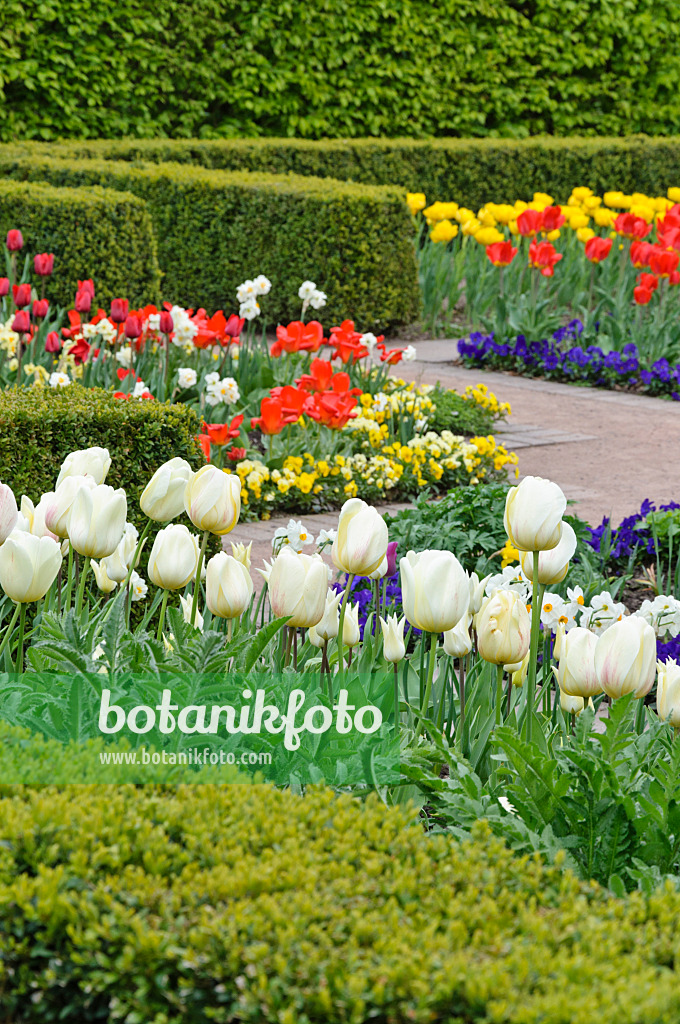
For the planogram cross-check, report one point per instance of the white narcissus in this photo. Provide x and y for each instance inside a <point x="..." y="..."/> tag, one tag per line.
<point x="533" y="514"/>
<point x="58" y="503"/>
<point x="297" y="587"/>
<point x="228" y="586"/>
<point x="174" y="557"/>
<point x="8" y="512"/>
<point x="93" y="462"/>
<point x="435" y="590"/>
<point x="553" y="565"/>
<point x="163" y="497"/>
<point x="212" y="499"/>
<point x="503" y="628"/>
<point x="28" y="566"/>
<point x="97" y="520"/>
<point x="625" y="658"/>
<point x="668" y="691"/>
<point x="361" y="542"/>
<point x="118" y="564"/>
<point x="576" y="673"/>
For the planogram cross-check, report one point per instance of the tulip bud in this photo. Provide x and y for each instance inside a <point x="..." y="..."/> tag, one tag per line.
<point x="105" y="584"/>
<point x="166" y="325"/>
<point x="314" y="638"/>
<point x="533" y="514"/>
<point x="133" y="327"/>
<point x="93" y="462"/>
<point x="34" y="515"/>
<point x="9" y="512"/>
<point x="15" y="240"/>
<point x="518" y="671"/>
<point x="350" y="626"/>
<point x="228" y="586"/>
<point x="53" y="342"/>
<point x="21" y="324"/>
<point x="503" y="628"/>
<point x="58" y="503"/>
<point x="297" y="587"/>
<point x="668" y="692"/>
<point x="457" y="642"/>
<point x="97" y="520"/>
<point x="119" y="310"/>
<point x="571" y="705"/>
<point x="83" y="302"/>
<point x="174" y="557"/>
<point x="163" y="497"/>
<point x="43" y="264"/>
<point x="4" y="287"/>
<point x="576" y="673"/>
<point x="394" y="649"/>
<point x="186" y="606"/>
<point x="242" y="553"/>
<point x="477" y="592"/>
<point x="28" y="566"/>
<point x="118" y="564"/>
<point x="625" y="658"/>
<point x="41" y="308"/>
<point x="361" y="541"/>
<point x="212" y="499"/>
<point x="553" y="565"/>
<point x="22" y="295"/>
<point x="328" y="627"/>
<point x="381" y="571"/>
<point x="435" y="590"/>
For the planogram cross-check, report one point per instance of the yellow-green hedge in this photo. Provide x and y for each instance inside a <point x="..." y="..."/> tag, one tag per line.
<point x="217" y="228"/>
<point x="248" y="904"/>
<point x="94" y="232"/>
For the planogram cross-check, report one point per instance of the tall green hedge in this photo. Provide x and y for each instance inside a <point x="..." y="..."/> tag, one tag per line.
<point x="91" y="68"/>
<point x="94" y="232"/>
<point x="471" y="171"/>
<point x="217" y="228"/>
<point x="244" y="903"/>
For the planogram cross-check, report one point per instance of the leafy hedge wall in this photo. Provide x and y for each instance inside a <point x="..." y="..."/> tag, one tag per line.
<point x="222" y="903"/>
<point x="93" y="231"/>
<point x="217" y="228"/>
<point x="90" y="68"/>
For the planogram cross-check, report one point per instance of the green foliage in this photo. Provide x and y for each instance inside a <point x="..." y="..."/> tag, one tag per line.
<point x="260" y="67"/>
<point x="460" y="415"/>
<point x="217" y="228"/>
<point x="197" y="903"/>
<point x="93" y="232"/>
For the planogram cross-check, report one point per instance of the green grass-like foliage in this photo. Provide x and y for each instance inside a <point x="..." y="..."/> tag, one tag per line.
<point x="199" y="903"/>
<point x="217" y="228"/>
<point x="94" y="232"/>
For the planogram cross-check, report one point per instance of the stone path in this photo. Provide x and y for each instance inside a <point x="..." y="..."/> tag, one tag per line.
<point x="607" y="450"/>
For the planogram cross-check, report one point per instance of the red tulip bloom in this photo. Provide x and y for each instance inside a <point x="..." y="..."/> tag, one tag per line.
<point x="233" y="327"/>
<point x="133" y="327"/>
<point x="642" y="295"/>
<point x="639" y="253"/>
<point x="543" y="257"/>
<point x="272" y="418"/>
<point x="553" y="218"/>
<point x="22" y="294"/>
<point x="298" y="337"/>
<point x="347" y="343"/>
<point x="663" y="263"/>
<point x="319" y="376"/>
<point x="341" y="384"/>
<point x="391" y="356"/>
<point x="669" y="237"/>
<point x="530" y="222"/>
<point x="236" y="454"/>
<point x="204" y="441"/>
<point x="119" y="310"/>
<point x="53" y="342"/>
<point x="167" y="324"/>
<point x="86" y="286"/>
<point x="80" y="351"/>
<point x="4" y="287"/>
<point x="597" y="249"/>
<point x="332" y="409"/>
<point x="223" y="433"/>
<point x="41" y="308"/>
<point x="630" y="226"/>
<point x="648" y="281"/>
<point x="15" y="240"/>
<point x="21" y="324"/>
<point x="43" y="264"/>
<point x="83" y="302"/>
<point x="674" y="278"/>
<point x="501" y="254"/>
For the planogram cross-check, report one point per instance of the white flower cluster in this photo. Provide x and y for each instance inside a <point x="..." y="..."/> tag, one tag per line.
<point x="295" y="534"/>
<point x="247" y="295"/>
<point x="186" y="377"/>
<point x="184" y="327"/>
<point x="104" y="329"/>
<point x="221" y="391"/>
<point x="311" y="296"/>
<point x="59" y="380"/>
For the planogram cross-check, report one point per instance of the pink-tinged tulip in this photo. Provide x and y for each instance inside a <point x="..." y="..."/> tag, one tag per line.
<point x="22" y="295"/>
<point x="4" y="287"/>
<point x="212" y="500"/>
<point x="9" y="512"/>
<point x="28" y="566"/>
<point x="133" y="327"/>
<point x="167" y="324"/>
<point x="53" y="342"/>
<point x="22" y="322"/>
<point x="503" y="628"/>
<point x="392" y="558"/>
<point x="41" y="308"/>
<point x="360" y="544"/>
<point x="297" y="587"/>
<point x="83" y="303"/>
<point x="119" y="310"/>
<point x="625" y="658"/>
<point x="43" y="264"/>
<point x="15" y="240"/>
<point x="86" y="286"/>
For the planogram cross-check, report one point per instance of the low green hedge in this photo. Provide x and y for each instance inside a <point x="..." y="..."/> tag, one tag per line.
<point x="470" y="171"/>
<point x="245" y="903"/>
<point x="94" y="232"/>
<point x="217" y="228"/>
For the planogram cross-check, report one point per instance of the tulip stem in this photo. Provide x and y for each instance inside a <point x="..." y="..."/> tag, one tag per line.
<point x="536" y="602"/>
<point x="499" y="693"/>
<point x="197" y="582"/>
<point x="341" y="624"/>
<point x="133" y="563"/>
<point x="69" y="575"/>
<point x="161" y="616"/>
<point x="640" y="716"/>
<point x="461" y="690"/>
<point x="10" y="627"/>
<point x="81" y="585"/>
<point x="20" y="646"/>
<point x="396" y="698"/>
<point x="428" y="685"/>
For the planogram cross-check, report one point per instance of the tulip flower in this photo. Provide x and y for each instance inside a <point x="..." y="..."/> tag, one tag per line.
<point x="328" y="626"/>
<point x="194" y="618"/>
<point x="58" y="503"/>
<point x="83" y="302"/>
<point x="297" y="587"/>
<point x="21" y="324"/>
<point x="43" y="264"/>
<point x="571" y="705"/>
<point x="435" y="590"/>
<point x="28" y="566"/>
<point x="394" y="649"/>
<point x="630" y="226"/>
<point x="576" y="673"/>
<point x="22" y="295"/>
<point x="533" y="514"/>
<point x="119" y="310"/>
<point x="553" y="565"/>
<point x="242" y="553"/>
<point x="642" y="295"/>
<point x="477" y="587"/>
<point x="9" y="512"/>
<point x="52" y="342"/>
<point x="457" y="642"/>
<point x="361" y="541"/>
<point x="4" y="287"/>
<point x="625" y="658"/>
<point x="174" y="557"/>
<point x="229" y="586"/>
<point x="86" y="286"/>
<point x="133" y="326"/>
<point x="530" y="222"/>
<point x="501" y="254"/>
<point x="552" y="218"/>
<point x="40" y="309"/>
<point x="223" y="433"/>
<point x="543" y="256"/>
<point x="118" y="564"/>
<point x="163" y="497"/>
<point x="298" y="337"/>
<point x="212" y="500"/>
<point x="97" y="520"/>
<point x="350" y="626"/>
<point x="104" y="584"/>
<point x="34" y="515"/>
<point x="503" y="628"/>
<point x="273" y="418"/>
<point x="597" y="249"/>
<point x="663" y="263"/>
<point x="93" y="462"/>
<point x="166" y="324"/>
<point x="668" y="692"/>
<point x="15" y="240"/>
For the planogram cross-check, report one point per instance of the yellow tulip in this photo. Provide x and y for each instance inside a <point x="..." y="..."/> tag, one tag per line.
<point x="581" y="193"/>
<point x="604" y="218"/>
<point x="415" y="201"/>
<point x="579" y="220"/>
<point x="615" y="199"/>
<point x="443" y="231"/>
<point x="585" y="234"/>
<point x="486" y="217"/>
<point x="489" y="235"/>
<point x="470" y="227"/>
<point x="552" y="236"/>
<point x="643" y="210"/>
<point x="674" y="195"/>
<point x="441" y="211"/>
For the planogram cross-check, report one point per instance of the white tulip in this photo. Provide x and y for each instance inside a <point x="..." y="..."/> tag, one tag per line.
<point x="571" y="705"/>
<point x="533" y="514"/>
<point x="35" y="516"/>
<point x="163" y="497"/>
<point x="668" y="692"/>
<point x="457" y="642"/>
<point x="93" y="462"/>
<point x="625" y="658"/>
<point x="553" y="565"/>
<point x="212" y="499"/>
<point x="97" y="520"/>
<point x="503" y="628"/>
<point x="394" y="649"/>
<point x="242" y="553"/>
<point x="350" y="626"/>
<point x="28" y="566"/>
<point x="174" y="557"/>
<point x="297" y="587"/>
<point x="435" y="590"/>
<point x="58" y="503"/>
<point x="185" y="603"/>
<point x="105" y="584"/>
<point x="229" y="586"/>
<point x="8" y="512"/>
<point x="328" y="627"/>
<point x="477" y="591"/>
<point x="118" y="564"/>
<point x="576" y="672"/>
<point x="361" y="542"/>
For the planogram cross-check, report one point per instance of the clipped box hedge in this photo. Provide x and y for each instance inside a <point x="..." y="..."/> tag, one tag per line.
<point x="217" y="228"/>
<point x="470" y="171"/>
<point x="94" y="232"/>
<point x="245" y="903"/>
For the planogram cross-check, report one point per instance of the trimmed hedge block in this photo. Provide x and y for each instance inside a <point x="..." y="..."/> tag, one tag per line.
<point x="217" y="228"/>
<point x="94" y="232"/>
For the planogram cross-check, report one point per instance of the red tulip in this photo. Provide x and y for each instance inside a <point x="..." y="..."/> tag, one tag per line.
<point x="83" y="302"/>
<point x="298" y="337"/>
<point x="501" y="254"/>
<point x="133" y="327"/>
<point x="80" y="351"/>
<point x="21" y="324"/>
<point x="663" y="263"/>
<point x="272" y="418"/>
<point x="43" y="264"/>
<point x="319" y="376"/>
<point x="223" y="433"/>
<point x="639" y="253"/>
<point x="236" y="454"/>
<point x="119" y="310"/>
<point x="52" y="342"/>
<point x="41" y="308"/>
<point x="22" y="294"/>
<point x="167" y="324"/>
<point x="553" y="218"/>
<point x="630" y="226"/>
<point x="86" y="286"/>
<point x="331" y="409"/>
<point x="291" y="400"/>
<point x="204" y="441"/>
<point x="529" y="222"/>
<point x="234" y="326"/>
<point x="543" y="257"/>
<point x="597" y="249"/>
<point x="15" y="240"/>
<point x="4" y="287"/>
<point x="648" y="281"/>
<point x="642" y="295"/>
